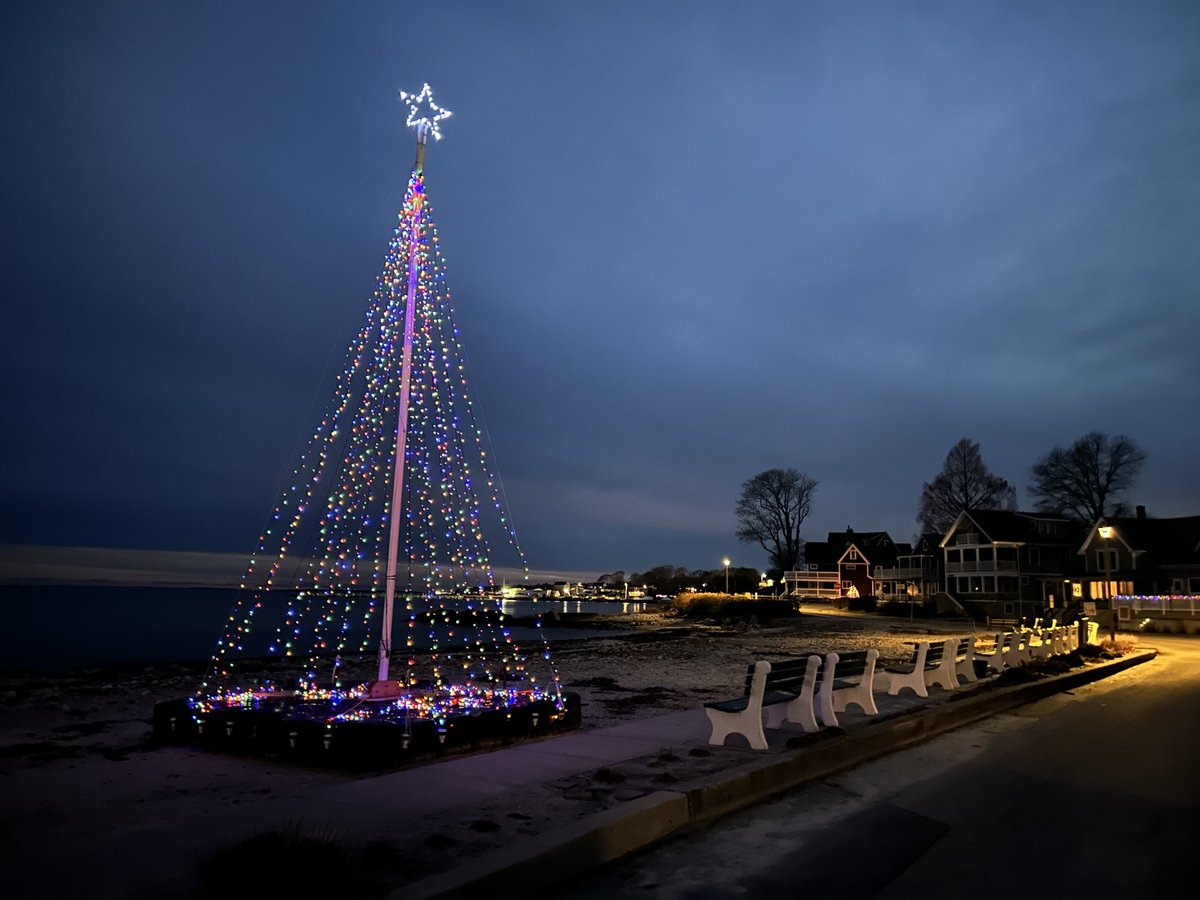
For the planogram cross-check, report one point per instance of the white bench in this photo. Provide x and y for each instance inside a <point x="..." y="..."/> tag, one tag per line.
<point x="1044" y="649"/>
<point x="849" y="677"/>
<point x="785" y="690"/>
<point x="931" y="664"/>
<point x="1054" y="642"/>
<point x="964" y="659"/>
<point x="1062" y="639"/>
<point x="1016" y="650"/>
<point x="800" y="710"/>
<point x="1073" y="637"/>
<point x="995" y="659"/>
<point x="1025" y="647"/>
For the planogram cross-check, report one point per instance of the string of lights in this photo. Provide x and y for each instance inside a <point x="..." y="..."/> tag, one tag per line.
<point x="314" y="588"/>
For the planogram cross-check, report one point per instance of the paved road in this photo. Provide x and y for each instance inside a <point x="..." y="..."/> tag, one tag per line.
<point x="1092" y="792"/>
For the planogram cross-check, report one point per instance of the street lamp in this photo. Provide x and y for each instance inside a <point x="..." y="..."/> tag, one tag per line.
<point x="725" y="563"/>
<point x="1106" y="533"/>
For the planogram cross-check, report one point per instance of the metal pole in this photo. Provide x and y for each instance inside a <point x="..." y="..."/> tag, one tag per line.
<point x="1108" y="591"/>
<point x="389" y="595"/>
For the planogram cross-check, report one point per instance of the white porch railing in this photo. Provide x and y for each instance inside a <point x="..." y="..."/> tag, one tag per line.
<point x="1160" y="604"/>
<point x="915" y="573"/>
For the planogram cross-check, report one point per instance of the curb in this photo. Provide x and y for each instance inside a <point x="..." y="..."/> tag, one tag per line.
<point x="555" y="856"/>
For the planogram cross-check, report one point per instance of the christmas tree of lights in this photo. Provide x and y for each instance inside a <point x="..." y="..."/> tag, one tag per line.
<point x="393" y="512"/>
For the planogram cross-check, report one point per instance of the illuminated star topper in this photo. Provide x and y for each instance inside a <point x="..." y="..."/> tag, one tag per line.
<point x="424" y="123"/>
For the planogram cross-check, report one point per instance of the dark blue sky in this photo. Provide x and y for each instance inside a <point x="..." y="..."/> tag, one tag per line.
<point x="687" y="241"/>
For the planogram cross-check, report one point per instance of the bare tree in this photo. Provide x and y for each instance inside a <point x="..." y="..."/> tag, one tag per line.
<point x="663" y="579"/>
<point x="1086" y="479"/>
<point x="770" y="510"/>
<point x="964" y="483"/>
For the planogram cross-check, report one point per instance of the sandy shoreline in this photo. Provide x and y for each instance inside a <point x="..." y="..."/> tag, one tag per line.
<point x="77" y="756"/>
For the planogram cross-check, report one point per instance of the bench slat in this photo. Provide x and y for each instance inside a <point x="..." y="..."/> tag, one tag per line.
<point x="785" y="675"/>
<point x="852" y="664"/>
<point x="737" y="704"/>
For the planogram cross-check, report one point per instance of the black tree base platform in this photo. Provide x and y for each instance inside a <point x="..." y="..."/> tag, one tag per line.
<point x="357" y="746"/>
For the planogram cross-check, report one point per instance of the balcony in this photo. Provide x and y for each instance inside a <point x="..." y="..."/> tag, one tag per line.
<point x="984" y="567"/>
<point x="906" y="573"/>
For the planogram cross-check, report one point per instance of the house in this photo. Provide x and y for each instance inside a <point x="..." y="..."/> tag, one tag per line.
<point x="1156" y="562"/>
<point x="917" y="574"/>
<point x="843" y="564"/>
<point x="1010" y="564"/>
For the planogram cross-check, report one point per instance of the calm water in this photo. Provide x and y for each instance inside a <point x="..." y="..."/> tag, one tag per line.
<point x="72" y="625"/>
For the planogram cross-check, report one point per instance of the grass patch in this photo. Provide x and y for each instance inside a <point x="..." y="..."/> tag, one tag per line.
<point x="289" y="861"/>
<point x="1108" y="648"/>
<point x="732" y="607"/>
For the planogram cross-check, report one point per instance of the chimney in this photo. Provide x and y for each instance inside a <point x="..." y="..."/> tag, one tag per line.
<point x="1141" y="512"/>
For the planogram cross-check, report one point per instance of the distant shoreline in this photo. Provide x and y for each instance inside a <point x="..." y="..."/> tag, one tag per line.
<point x="78" y="624"/>
<point x="48" y="566"/>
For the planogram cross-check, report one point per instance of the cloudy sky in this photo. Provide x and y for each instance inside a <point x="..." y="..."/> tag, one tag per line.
<point x="688" y="241"/>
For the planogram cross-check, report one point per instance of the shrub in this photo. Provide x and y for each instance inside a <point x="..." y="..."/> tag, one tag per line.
<point x="730" y="607"/>
<point x="1106" y="649"/>
<point x="857" y="604"/>
<point x="902" y="609"/>
<point x="862" y="604"/>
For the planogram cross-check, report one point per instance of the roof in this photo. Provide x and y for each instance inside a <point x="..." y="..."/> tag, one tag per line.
<point x="860" y="539"/>
<point x="1171" y="541"/>
<point x="1014" y="527"/>
<point x="928" y="543"/>
<point x="877" y="547"/>
<point x="821" y="554"/>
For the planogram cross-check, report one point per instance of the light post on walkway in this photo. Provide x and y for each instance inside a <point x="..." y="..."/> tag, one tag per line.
<point x="725" y="562"/>
<point x="1106" y="533"/>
